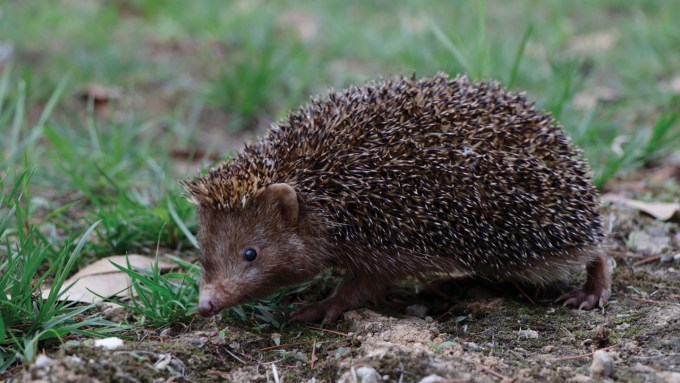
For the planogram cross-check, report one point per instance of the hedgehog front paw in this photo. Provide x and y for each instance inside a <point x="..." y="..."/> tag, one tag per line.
<point x="309" y="313"/>
<point x="329" y="311"/>
<point x="586" y="299"/>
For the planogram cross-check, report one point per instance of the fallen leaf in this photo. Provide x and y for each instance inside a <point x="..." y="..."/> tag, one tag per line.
<point x="672" y="86"/>
<point x="104" y="279"/>
<point x="100" y="94"/>
<point x="658" y="210"/>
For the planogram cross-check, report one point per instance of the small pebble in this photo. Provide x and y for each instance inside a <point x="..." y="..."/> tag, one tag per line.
<point x="671" y="376"/>
<point x="602" y="366"/>
<point x="528" y="334"/>
<point x="676" y="258"/>
<point x="73" y="360"/>
<point x="667" y="258"/>
<point x="42" y="361"/>
<point x="433" y="379"/>
<point x="417" y="310"/>
<point x="109" y="343"/>
<point x="363" y="374"/>
<point x="622" y="327"/>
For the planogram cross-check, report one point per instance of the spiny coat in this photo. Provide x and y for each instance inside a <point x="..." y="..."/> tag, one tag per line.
<point x="404" y="177"/>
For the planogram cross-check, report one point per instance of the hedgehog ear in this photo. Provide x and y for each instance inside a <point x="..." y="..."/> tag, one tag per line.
<point x="286" y="198"/>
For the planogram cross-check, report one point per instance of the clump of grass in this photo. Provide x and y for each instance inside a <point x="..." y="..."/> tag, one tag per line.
<point x="261" y="78"/>
<point x="127" y="191"/>
<point x="161" y="299"/>
<point x="268" y="312"/>
<point x="26" y="319"/>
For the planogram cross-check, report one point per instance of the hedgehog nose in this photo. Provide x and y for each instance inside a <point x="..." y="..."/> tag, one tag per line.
<point x="206" y="308"/>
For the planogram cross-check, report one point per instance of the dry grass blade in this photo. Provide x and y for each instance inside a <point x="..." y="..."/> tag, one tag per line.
<point x="275" y="373"/>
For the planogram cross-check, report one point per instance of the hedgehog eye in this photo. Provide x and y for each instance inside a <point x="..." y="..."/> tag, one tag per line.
<point x="249" y="254"/>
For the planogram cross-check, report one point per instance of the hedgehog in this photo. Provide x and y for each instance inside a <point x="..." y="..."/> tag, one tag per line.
<point x="399" y="178"/>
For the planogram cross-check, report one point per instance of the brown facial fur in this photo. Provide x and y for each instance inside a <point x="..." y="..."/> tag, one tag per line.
<point x="265" y="225"/>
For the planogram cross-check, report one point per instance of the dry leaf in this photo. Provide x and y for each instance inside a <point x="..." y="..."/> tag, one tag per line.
<point x="658" y="210"/>
<point x="672" y="86"/>
<point x="100" y="94"/>
<point x="105" y="279"/>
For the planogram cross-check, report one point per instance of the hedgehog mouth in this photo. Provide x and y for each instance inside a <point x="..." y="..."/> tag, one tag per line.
<point x="213" y="300"/>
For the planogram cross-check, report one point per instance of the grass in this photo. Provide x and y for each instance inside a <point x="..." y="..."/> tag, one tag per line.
<point x="27" y="318"/>
<point x="196" y="79"/>
<point x="161" y="299"/>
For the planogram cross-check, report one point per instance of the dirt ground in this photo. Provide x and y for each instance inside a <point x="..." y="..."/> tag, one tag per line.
<point x="482" y="333"/>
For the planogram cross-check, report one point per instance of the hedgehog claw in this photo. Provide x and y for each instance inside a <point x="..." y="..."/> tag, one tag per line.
<point x="585" y="299"/>
<point x="596" y="290"/>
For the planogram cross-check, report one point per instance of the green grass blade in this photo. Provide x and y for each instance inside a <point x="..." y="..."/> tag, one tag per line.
<point x="3" y="334"/>
<point x="63" y="273"/>
<point x="659" y="137"/>
<point x="4" y="85"/>
<point x="5" y="221"/>
<point x="182" y="226"/>
<point x="52" y="102"/>
<point x="483" y="55"/>
<point x="451" y="47"/>
<point x="18" y="116"/>
<point x="518" y="56"/>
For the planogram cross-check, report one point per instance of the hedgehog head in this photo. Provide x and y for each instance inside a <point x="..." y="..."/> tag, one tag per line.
<point x="249" y="251"/>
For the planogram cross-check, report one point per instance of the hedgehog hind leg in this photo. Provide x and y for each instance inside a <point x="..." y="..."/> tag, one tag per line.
<point x="597" y="288"/>
<point x="351" y="292"/>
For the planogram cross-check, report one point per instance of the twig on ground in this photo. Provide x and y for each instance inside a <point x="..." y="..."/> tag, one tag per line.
<point x="282" y="346"/>
<point x="647" y="260"/>
<point x="325" y="330"/>
<point x="439" y="318"/>
<point x="217" y="351"/>
<point x="588" y="355"/>
<point x="498" y="375"/>
<point x="652" y="301"/>
<point x="523" y="293"/>
<point x="234" y="356"/>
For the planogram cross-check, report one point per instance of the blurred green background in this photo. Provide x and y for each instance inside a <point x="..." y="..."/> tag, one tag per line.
<point x="604" y="68"/>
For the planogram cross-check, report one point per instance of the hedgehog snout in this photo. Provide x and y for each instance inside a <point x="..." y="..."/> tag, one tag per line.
<point x="207" y="305"/>
<point x="206" y="308"/>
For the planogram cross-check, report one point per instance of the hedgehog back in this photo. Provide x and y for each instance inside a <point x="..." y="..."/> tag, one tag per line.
<point x="431" y="169"/>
